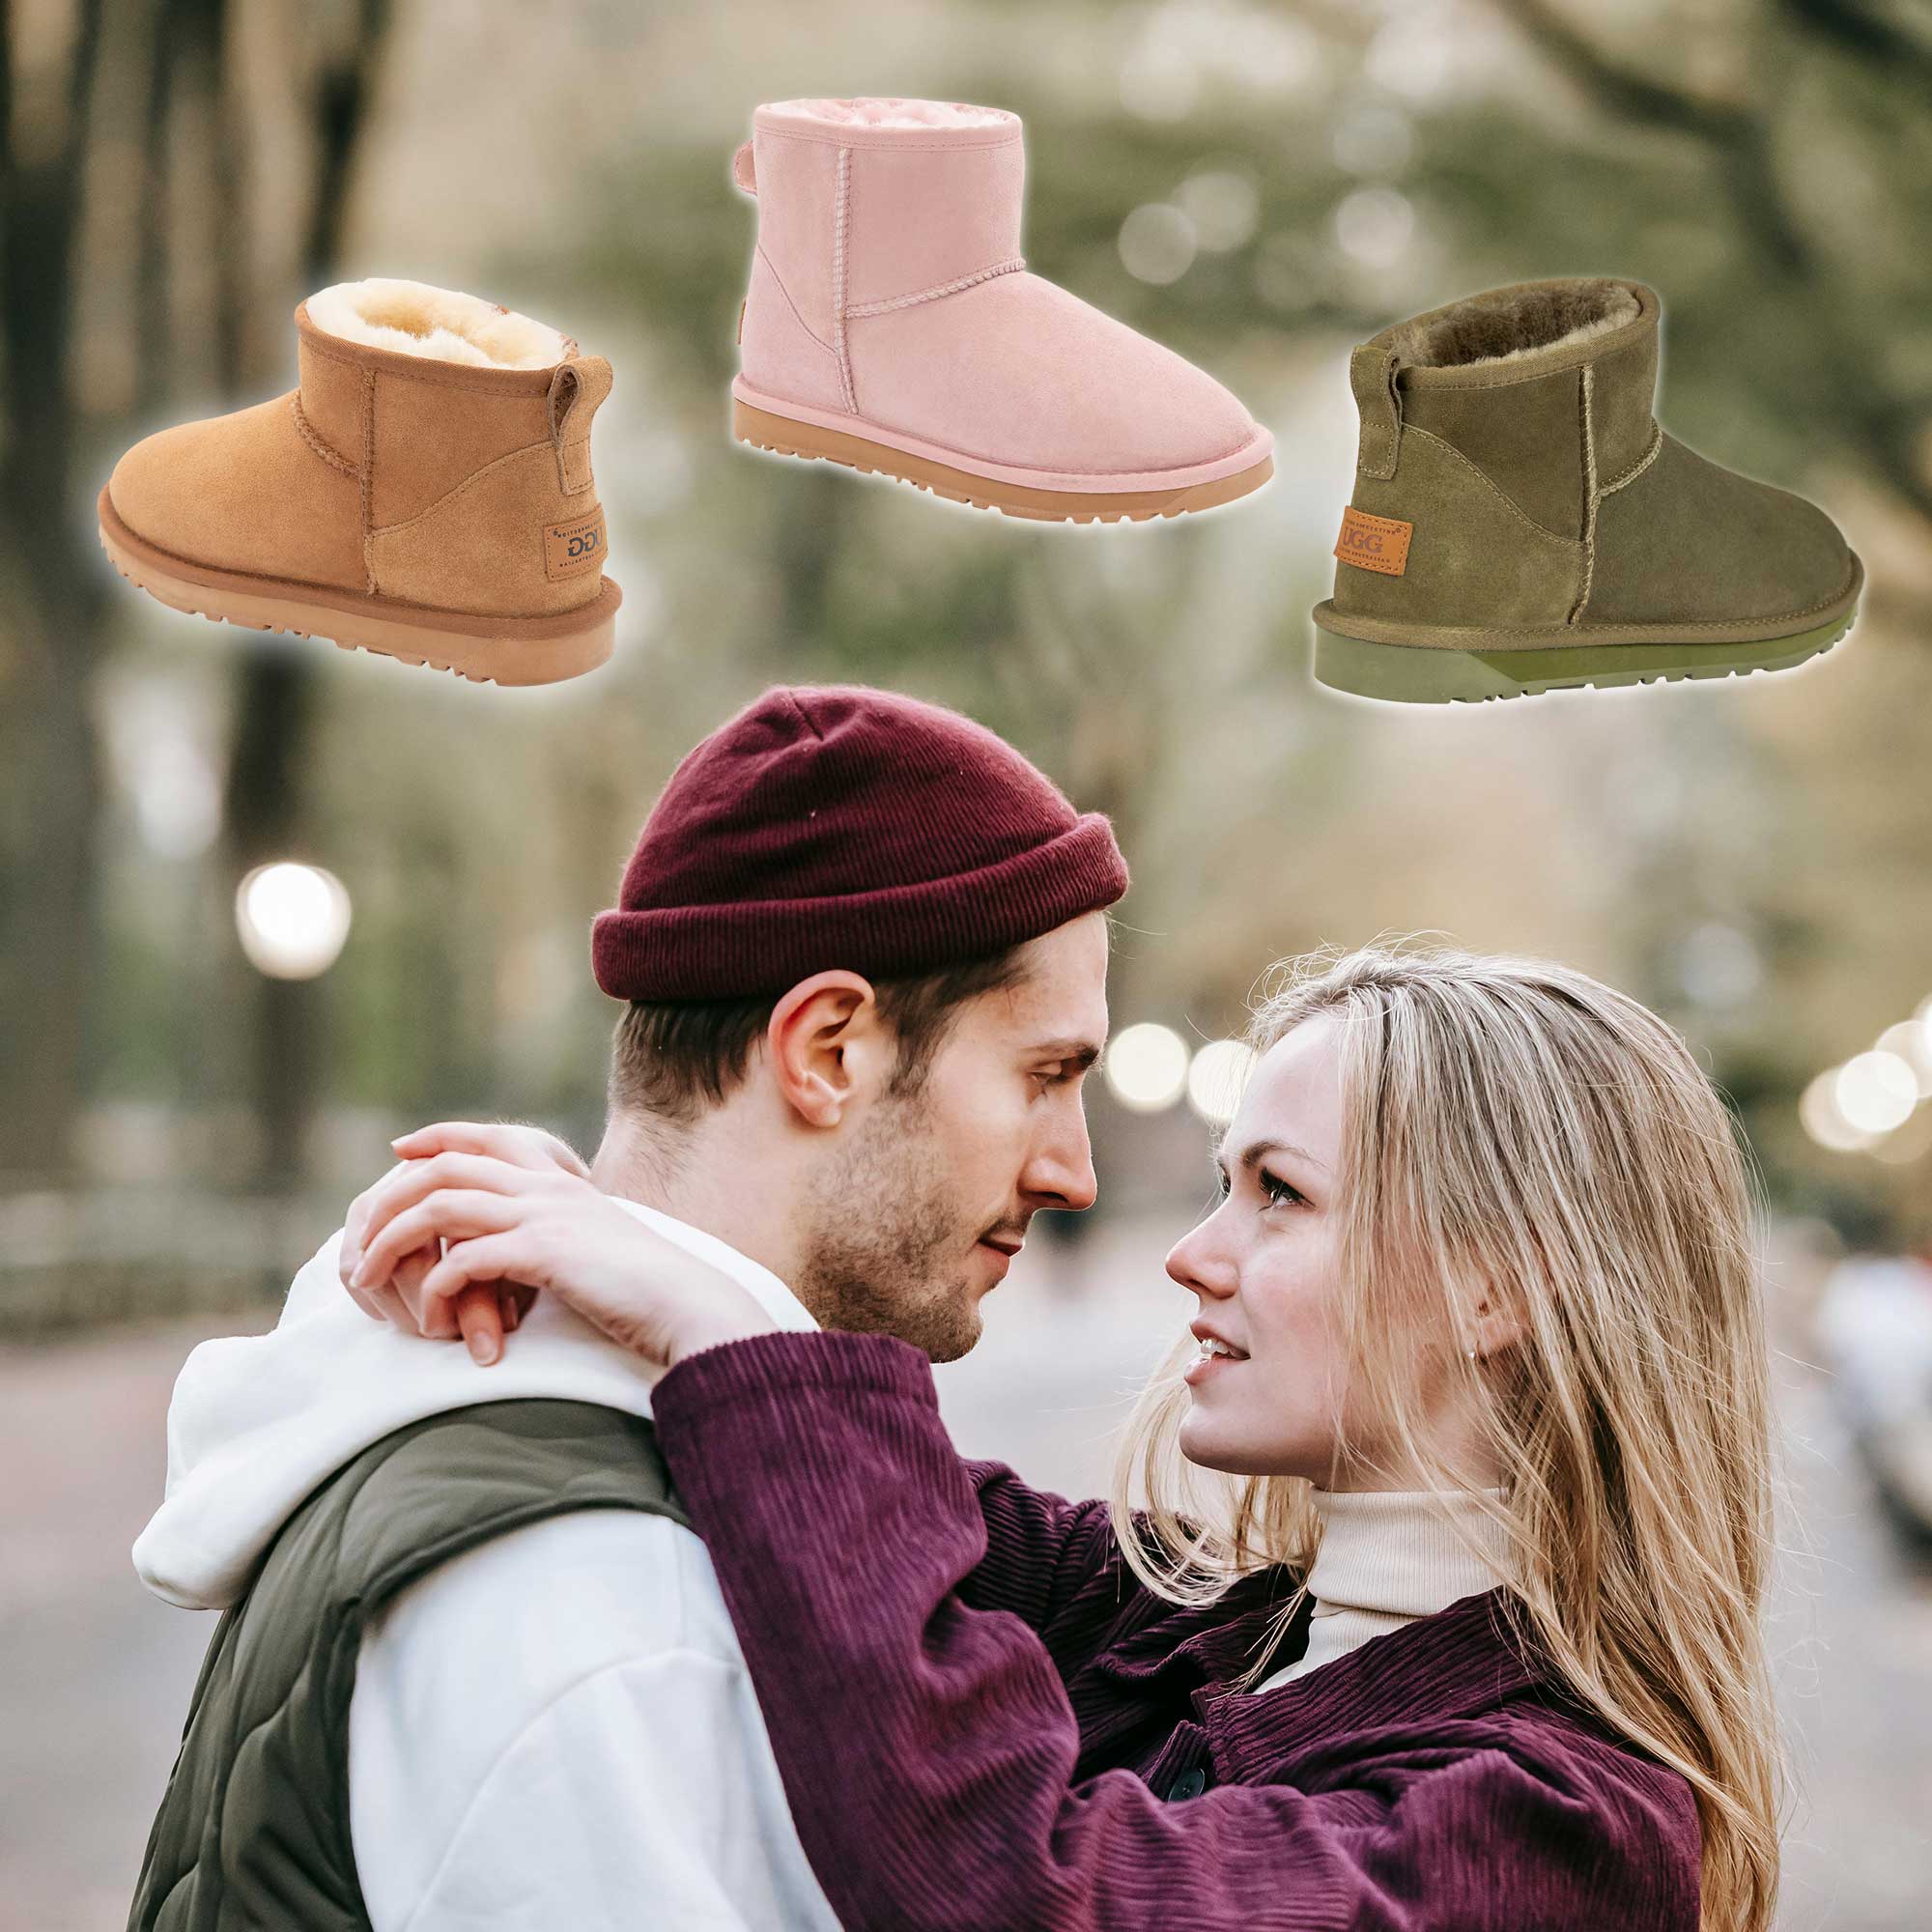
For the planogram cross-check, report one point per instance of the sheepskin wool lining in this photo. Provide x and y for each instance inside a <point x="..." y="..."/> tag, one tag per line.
<point x="872" y="112"/>
<point x="439" y="325"/>
<point x="1511" y="324"/>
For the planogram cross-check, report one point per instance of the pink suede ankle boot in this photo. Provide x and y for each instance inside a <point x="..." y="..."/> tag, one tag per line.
<point x="892" y="326"/>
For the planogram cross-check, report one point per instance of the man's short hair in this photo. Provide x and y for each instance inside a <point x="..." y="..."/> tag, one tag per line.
<point x="673" y="1059"/>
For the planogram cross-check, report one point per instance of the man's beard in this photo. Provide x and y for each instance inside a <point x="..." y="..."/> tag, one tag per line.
<point x="888" y="1244"/>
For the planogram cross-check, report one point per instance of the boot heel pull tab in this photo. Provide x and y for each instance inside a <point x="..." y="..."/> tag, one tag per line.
<point x="1372" y="376"/>
<point x="575" y="392"/>
<point x="743" y="172"/>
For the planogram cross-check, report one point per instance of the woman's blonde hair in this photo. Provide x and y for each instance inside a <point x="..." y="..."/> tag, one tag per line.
<point x="1515" y="1128"/>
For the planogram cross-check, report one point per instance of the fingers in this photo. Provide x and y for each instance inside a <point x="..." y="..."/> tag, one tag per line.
<point x="384" y="1303"/>
<point x="414" y="1181"/>
<point x="480" y="1258"/>
<point x="481" y="1318"/>
<point x="440" y="1214"/>
<point x="503" y="1140"/>
<point x="356" y="1229"/>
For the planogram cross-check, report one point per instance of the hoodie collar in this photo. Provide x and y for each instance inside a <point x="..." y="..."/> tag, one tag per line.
<point x="258" y="1421"/>
<point x="758" y="1281"/>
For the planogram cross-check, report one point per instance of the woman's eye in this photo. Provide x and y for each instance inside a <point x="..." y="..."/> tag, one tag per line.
<point x="1278" y="1191"/>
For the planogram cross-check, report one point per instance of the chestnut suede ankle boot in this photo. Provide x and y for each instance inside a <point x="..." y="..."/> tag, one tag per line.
<point x="890" y="326"/>
<point x="425" y="492"/>
<point x="1520" y="524"/>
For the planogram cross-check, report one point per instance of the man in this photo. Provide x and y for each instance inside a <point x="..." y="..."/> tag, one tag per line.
<point x="474" y="1671"/>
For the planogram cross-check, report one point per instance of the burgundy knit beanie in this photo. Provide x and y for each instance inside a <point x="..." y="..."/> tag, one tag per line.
<point x="845" y="827"/>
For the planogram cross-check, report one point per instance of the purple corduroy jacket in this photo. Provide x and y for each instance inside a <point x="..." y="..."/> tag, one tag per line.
<point x="983" y="1720"/>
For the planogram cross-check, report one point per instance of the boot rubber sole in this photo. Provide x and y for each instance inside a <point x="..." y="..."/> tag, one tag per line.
<point x="1435" y="674"/>
<point x="486" y="650"/>
<point x="788" y="435"/>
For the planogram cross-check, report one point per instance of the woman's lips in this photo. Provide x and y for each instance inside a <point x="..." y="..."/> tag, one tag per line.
<point x="1207" y="1363"/>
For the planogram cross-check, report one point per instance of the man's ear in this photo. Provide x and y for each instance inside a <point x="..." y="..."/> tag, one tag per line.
<point x="830" y="1048"/>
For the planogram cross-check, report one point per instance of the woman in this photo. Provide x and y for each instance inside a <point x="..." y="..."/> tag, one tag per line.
<point x="1443" y="1608"/>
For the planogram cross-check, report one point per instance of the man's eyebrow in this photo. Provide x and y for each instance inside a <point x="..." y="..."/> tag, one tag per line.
<point x="1256" y="1151"/>
<point x="1082" y="1053"/>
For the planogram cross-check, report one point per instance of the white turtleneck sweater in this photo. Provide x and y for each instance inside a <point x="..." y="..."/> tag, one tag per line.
<point x="1386" y="1557"/>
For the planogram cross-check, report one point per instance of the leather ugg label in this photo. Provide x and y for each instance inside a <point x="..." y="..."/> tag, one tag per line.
<point x="1373" y="543"/>
<point x="575" y="546"/>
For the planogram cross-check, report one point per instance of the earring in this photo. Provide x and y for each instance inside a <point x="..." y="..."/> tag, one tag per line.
<point x="1472" y="1355"/>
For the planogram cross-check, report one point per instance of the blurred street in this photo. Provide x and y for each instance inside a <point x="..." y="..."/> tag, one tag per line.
<point x="95" y="1677"/>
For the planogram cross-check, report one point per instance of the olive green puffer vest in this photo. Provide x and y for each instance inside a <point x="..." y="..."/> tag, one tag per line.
<point x="254" y="1829"/>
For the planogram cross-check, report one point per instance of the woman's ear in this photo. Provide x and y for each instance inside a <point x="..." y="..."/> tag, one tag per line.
<point x="1486" y="1323"/>
<point x="829" y="1046"/>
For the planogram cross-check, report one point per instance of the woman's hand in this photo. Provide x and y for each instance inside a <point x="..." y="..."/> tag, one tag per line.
<point x="484" y="1315"/>
<point x="536" y="1227"/>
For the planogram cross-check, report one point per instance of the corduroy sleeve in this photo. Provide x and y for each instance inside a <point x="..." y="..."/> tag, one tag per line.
<point x="928" y="1747"/>
<point x="1042" y="1551"/>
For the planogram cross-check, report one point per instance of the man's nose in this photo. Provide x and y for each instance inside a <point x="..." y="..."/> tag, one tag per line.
<point x="1061" y="1175"/>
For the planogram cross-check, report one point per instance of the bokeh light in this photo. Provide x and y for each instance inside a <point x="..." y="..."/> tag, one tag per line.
<point x="1157" y="242"/>
<point x="1819" y="1115"/>
<point x="1223" y="206"/>
<point x="1216" y="1078"/>
<point x="1374" y="225"/>
<point x="293" y="919"/>
<point x="1911" y="1042"/>
<point x="1875" y="1091"/>
<point x="1146" y="1067"/>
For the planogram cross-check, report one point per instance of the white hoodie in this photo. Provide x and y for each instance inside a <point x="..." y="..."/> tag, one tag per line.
<point x="557" y="1727"/>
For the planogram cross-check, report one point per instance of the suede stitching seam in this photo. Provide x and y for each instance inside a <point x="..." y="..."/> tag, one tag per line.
<point x="1378" y="461"/>
<point x="1594" y="496"/>
<point x="939" y="289"/>
<point x="564" y="453"/>
<point x="844" y="135"/>
<point x="778" y="282"/>
<point x="568" y="448"/>
<point x="1520" y="515"/>
<point x="1584" y="393"/>
<point x="841" y="217"/>
<point x="309" y="434"/>
<point x="369" y="479"/>
<point x="1638" y="468"/>
<point x="449" y="496"/>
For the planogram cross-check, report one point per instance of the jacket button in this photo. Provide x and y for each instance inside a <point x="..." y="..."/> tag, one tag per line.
<point x="1189" y="1784"/>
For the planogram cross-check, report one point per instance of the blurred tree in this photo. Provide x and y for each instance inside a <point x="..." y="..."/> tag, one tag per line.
<point x="194" y="231"/>
<point x="53" y="592"/>
<point x="1759" y="142"/>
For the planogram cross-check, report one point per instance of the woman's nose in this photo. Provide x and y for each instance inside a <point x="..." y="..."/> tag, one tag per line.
<point x="1197" y="1263"/>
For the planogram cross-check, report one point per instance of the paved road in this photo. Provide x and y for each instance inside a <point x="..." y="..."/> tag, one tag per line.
<point x="95" y="1677"/>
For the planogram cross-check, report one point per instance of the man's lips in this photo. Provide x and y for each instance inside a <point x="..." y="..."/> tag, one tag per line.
<point x="1000" y="1246"/>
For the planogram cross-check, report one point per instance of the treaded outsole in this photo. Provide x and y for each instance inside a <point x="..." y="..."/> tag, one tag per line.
<point x="1416" y="674"/>
<point x="177" y="593"/>
<point x="754" y="428"/>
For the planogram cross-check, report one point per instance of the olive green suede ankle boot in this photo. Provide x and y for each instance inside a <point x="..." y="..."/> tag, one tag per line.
<point x="1520" y="524"/>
